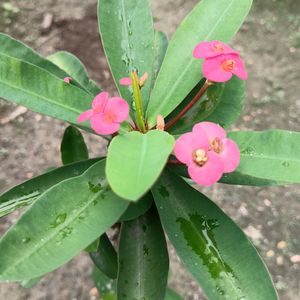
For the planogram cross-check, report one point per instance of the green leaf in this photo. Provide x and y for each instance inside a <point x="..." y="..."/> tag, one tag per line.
<point x="172" y="295"/>
<point x="222" y="104"/>
<point x="230" y="178"/>
<point x="14" y="48"/>
<point x="105" y="258"/>
<point x="73" y="147"/>
<point x="243" y="179"/>
<point x="185" y="102"/>
<point x="212" y="247"/>
<point x="93" y="247"/>
<point x="75" y="69"/>
<point x="143" y="259"/>
<point x="271" y="155"/>
<point x="30" y="283"/>
<point x="127" y="34"/>
<point x="40" y="91"/>
<point x="138" y="208"/>
<point x="160" y="48"/>
<point x="28" y="191"/>
<point x="64" y="220"/>
<point x="135" y="161"/>
<point x="180" y="71"/>
<point x="106" y="286"/>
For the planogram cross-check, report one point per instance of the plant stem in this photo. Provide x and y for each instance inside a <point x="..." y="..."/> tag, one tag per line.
<point x="174" y="162"/>
<point x="189" y="105"/>
<point x="137" y="97"/>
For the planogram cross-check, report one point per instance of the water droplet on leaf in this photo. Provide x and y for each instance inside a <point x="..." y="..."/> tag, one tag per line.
<point x="59" y="220"/>
<point x="26" y="240"/>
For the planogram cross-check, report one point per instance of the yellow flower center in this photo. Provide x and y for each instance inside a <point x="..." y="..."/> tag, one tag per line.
<point x="216" y="145"/>
<point x="199" y="157"/>
<point x="218" y="48"/>
<point x="228" y="65"/>
<point x="98" y="110"/>
<point x="109" y="117"/>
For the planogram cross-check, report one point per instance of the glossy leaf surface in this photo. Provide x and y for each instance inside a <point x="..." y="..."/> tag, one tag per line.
<point x="180" y="71"/>
<point x="14" y="48"/>
<point x="138" y="208"/>
<point x="160" y="48"/>
<point x="271" y="155"/>
<point x="64" y="220"/>
<point x="222" y="104"/>
<point x="73" y="147"/>
<point x="143" y="259"/>
<point x="75" y="69"/>
<point x="212" y="247"/>
<point x="236" y="178"/>
<point x="135" y="161"/>
<point x="105" y="258"/>
<point x="127" y="34"/>
<point x="41" y="91"/>
<point x="106" y="286"/>
<point x="34" y="187"/>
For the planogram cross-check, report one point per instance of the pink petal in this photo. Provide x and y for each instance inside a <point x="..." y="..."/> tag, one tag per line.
<point x="101" y="126"/>
<point x="118" y="107"/>
<point x="126" y="81"/>
<point x="240" y="69"/>
<point x="187" y="144"/>
<point x="212" y="49"/>
<point x="202" y="50"/>
<point x="67" y="79"/>
<point x="209" y="173"/>
<point x="212" y="130"/>
<point x="212" y="70"/>
<point x="230" y="155"/>
<point x="226" y="49"/>
<point x="85" y="116"/>
<point x="100" y="101"/>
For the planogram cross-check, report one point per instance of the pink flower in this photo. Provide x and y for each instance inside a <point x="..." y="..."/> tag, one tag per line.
<point x="225" y="148"/>
<point x="67" y="79"/>
<point x="126" y="81"/>
<point x="222" y="67"/>
<point x="212" y="49"/>
<point x="205" y="167"/>
<point x="207" y="153"/>
<point x="106" y="114"/>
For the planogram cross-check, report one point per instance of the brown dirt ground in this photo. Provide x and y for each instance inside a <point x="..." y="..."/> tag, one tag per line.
<point x="270" y="42"/>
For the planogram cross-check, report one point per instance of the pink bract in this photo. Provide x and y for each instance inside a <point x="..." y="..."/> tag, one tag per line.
<point x="207" y="153"/>
<point x="126" y="81"/>
<point x="222" y="67"/>
<point x="225" y="148"/>
<point x="212" y="49"/>
<point x="186" y="149"/>
<point x="67" y="79"/>
<point x="106" y="114"/>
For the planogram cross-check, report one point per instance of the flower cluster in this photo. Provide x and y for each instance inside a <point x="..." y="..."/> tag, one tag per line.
<point x="106" y="114"/>
<point x="207" y="153"/>
<point x="220" y="61"/>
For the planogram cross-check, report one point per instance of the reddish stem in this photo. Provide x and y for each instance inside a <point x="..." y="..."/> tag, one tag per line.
<point x="189" y="106"/>
<point x="174" y="162"/>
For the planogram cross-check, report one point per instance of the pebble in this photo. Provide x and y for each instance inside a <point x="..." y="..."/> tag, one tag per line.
<point x="281" y="245"/>
<point x="295" y="259"/>
<point x="267" y="202"/>
<point x="279" y="260"/>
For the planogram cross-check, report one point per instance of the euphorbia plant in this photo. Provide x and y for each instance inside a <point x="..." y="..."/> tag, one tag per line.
<point x="143" y="187"/>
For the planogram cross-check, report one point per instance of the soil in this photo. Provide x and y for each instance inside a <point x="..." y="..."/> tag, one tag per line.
<point x="29" y="143"/>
